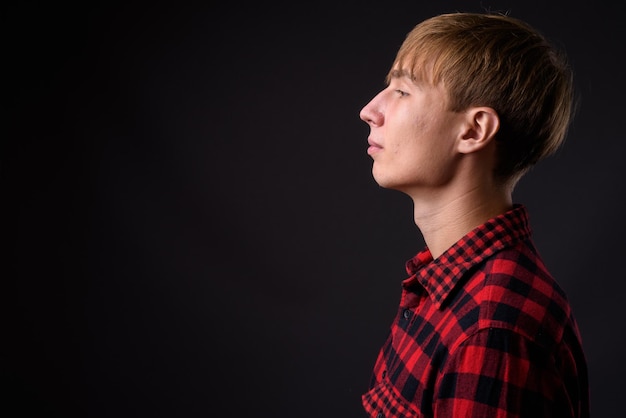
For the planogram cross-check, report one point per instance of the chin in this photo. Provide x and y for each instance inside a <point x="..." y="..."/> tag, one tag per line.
<point x="385" y="183"/>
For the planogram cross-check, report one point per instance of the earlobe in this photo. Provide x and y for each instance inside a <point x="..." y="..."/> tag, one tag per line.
<point x="482" y="124"/>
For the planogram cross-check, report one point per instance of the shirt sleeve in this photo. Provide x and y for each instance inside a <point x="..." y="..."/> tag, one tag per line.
<point x="499" y="373"/>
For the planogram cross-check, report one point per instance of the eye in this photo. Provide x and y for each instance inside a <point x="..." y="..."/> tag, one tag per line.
<point x="402" y="93"/>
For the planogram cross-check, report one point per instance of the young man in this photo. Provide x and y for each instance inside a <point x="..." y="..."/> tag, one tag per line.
<point x="483" y="330"/>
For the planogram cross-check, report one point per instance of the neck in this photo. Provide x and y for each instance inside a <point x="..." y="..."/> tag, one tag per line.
<point x="443" y="220"/>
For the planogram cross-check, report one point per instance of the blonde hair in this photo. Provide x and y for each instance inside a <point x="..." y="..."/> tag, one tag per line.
<point x="501" y="62"/>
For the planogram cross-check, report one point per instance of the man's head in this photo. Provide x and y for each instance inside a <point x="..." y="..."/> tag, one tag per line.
<point x="499" y="62"/>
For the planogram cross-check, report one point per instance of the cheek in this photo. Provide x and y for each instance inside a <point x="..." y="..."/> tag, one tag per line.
<point x="413" y="140"/>
<point x="427" y="150"/>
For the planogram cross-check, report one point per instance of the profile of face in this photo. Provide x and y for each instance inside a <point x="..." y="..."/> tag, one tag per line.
<point x="413" y="136"/>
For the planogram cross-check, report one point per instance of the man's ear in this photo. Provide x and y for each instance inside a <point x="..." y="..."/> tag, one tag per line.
<point x="480" y="128"/>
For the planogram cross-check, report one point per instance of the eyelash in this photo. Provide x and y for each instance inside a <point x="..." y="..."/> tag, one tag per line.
<point x="402" y="93"/>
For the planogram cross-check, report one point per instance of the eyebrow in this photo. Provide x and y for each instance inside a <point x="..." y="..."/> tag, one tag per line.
<point x="396" y="73"/>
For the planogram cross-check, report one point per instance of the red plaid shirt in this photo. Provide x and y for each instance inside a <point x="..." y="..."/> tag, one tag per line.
<point x="482" y="331"/>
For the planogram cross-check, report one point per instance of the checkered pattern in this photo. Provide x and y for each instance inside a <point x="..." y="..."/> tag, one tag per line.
<point x="482" y="331"/>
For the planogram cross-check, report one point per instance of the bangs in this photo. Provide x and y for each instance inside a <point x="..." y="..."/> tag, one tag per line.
<point x="422" y="62"/>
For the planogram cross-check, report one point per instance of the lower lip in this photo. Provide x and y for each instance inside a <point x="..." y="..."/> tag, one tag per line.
<point x="373" y="149"/>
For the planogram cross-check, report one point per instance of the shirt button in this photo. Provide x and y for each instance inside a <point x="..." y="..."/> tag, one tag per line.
<point x="380" y="415"/>
<point x="406" y="314"/>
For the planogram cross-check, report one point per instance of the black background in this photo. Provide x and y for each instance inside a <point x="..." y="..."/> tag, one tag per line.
<point x="190" y="217"/>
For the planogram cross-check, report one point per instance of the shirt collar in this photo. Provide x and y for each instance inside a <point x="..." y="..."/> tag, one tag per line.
<point x="440" y="276"/>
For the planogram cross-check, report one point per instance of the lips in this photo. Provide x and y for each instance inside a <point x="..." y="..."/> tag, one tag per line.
<point x="374" y="146"/>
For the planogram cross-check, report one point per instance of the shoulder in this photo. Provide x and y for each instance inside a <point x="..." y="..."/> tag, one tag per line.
<point x="514" y="290"/>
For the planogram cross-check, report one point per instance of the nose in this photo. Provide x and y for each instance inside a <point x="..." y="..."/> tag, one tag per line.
<point x="371" y="113"/>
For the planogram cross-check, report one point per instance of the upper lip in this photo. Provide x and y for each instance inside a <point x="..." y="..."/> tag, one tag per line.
<point x="373" y="143"/>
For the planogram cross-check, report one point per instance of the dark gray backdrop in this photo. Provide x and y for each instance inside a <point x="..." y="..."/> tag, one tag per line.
<point x="191" y="222"/>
